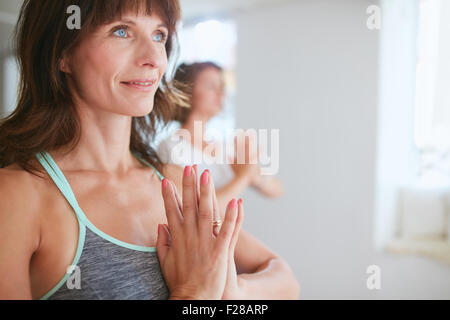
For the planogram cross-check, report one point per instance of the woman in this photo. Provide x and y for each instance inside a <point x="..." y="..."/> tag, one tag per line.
<point x="203" y="84"/>
<point x="75" y="144"/>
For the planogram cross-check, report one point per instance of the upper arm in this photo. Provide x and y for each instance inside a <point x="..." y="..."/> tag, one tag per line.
<point x="19" y="238"/>
<point x="250" y="253"/>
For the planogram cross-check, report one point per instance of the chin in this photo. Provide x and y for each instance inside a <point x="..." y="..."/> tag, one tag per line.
<point x="142" y="111"/>
<point x="135" y="111"/>
<point x="140" y="108"/>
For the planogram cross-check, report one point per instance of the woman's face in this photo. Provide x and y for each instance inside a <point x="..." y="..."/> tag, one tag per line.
<point x="208" y="92"/>
<point x="118" y="67"/>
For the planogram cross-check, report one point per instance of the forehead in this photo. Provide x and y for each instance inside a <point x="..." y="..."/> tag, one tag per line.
<point x="209" y="74"/>
<point x="137" y="11"/>
<point x="140" y="19"/>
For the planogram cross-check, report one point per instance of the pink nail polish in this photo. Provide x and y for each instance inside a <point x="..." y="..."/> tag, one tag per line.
<point x="233" y="204"/>
<point x="164" y="183"/>
<point x="187" y="171"/>
<point x="205" y="177"/>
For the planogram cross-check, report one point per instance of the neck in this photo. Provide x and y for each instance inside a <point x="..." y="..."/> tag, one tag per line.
<point x="104" y="144"/>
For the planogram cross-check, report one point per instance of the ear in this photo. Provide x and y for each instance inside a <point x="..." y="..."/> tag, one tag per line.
<point x="64" y="65"/>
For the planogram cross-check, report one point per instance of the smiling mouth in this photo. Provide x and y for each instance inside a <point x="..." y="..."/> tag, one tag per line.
<point x="142" y="85"/>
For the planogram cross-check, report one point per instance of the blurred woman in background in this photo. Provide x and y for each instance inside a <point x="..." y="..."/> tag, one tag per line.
<point x="204" y="84"/>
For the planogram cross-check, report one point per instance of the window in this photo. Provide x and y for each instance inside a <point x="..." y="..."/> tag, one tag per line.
<point x="432" y="99"/>
<point x="426" y="127"/>
<point x="211" y="40"/>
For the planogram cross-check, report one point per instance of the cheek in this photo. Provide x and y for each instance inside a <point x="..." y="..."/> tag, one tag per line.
<point x="198" y="99"/>
<point x="164" y="58"/>
<point x="209" y="97"/>
<point x="163" y="65"/>
<point x="101" y="62"/>
<point x="94" y="70"/>
<point x="203" y="102"/>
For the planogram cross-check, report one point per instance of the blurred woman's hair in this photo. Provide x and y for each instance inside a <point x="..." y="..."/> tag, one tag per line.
<point x="45" y="117"/>
<point x="185" y="77"/>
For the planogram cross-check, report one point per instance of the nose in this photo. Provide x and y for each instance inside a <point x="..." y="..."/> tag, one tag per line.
<point x="150" y="54"/>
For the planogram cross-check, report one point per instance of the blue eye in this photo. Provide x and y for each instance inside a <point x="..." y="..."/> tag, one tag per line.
<point x="160" y="37"/>
<point x="122" y="33"/>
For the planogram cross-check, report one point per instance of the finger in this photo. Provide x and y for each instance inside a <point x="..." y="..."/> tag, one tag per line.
<point x="171" y="206"/>
<point x="197" y="183"/>
<point x="237" y="228"/>
<point x="177" y="200"/>
<point x="217" y="215"/>
<point x="189" y="200"/>
<point x="205" y="209"/>
<point x="228" y="226"/>
<point x="166" y="227"/>
<point x="177" y="197"/>
<point x="162" y="243"/>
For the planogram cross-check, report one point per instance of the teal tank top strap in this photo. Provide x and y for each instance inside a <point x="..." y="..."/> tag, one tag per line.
<point x="47" y="162"/>
<point x="161" y="177"/>
<point x="60" y="180"/>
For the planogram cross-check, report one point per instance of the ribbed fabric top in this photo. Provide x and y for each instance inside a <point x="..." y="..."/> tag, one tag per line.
<point x="104" y="267"/>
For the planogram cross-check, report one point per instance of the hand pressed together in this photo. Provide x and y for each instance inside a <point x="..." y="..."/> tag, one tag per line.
<point x="197" y="261"/>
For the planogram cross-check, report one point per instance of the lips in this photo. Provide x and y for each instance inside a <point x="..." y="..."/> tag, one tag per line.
<point x="140" y="84"/>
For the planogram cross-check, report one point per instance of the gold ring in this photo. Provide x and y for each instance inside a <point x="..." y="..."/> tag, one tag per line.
<point x="217" y="223"/>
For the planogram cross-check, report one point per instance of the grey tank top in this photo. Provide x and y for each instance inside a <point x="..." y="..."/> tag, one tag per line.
<point x="104" y="267"/>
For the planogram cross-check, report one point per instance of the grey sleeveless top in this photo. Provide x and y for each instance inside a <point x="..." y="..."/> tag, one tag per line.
<point x="104" y="267"/>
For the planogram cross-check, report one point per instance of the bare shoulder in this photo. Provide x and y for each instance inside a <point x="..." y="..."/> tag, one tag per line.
<point x="20" y="197"/>
<point x="15" y="180"/>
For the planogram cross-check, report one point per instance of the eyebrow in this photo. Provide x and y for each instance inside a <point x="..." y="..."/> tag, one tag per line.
<point x="133" y="23"/>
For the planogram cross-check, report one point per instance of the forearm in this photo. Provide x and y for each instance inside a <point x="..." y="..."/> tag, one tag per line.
<point x="274" y="280"/>
<point x="269" y="186"/>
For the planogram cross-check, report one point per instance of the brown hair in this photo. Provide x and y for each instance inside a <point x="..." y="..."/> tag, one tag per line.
<point x="185" y="77"/>
<point x="45" y="117"/>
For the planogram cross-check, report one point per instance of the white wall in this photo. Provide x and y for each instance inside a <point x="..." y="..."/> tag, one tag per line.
<point x="442" y="115"/>
<point x="8" y="72"/>
<point x="310" y="68"/>
<point x="10" y="84"/>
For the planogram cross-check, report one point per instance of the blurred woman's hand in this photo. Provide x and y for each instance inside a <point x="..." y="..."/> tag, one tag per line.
<point x="251" y="171"/>
<point x="245" y="161"/>
<point x="194" y="261"/>
<point x="268" y="186"/>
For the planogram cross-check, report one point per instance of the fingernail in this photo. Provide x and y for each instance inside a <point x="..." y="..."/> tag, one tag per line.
<point x="240" y="201"/>
<point x="233" y="204"/>
<point x="187" y="171"/>
<point x="205" y="177"/>
<point x="164" y="183"/>
<point x="159" y="229"/>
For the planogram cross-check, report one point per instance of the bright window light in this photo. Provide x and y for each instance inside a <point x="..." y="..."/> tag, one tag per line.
<point x="429" y="131"/>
